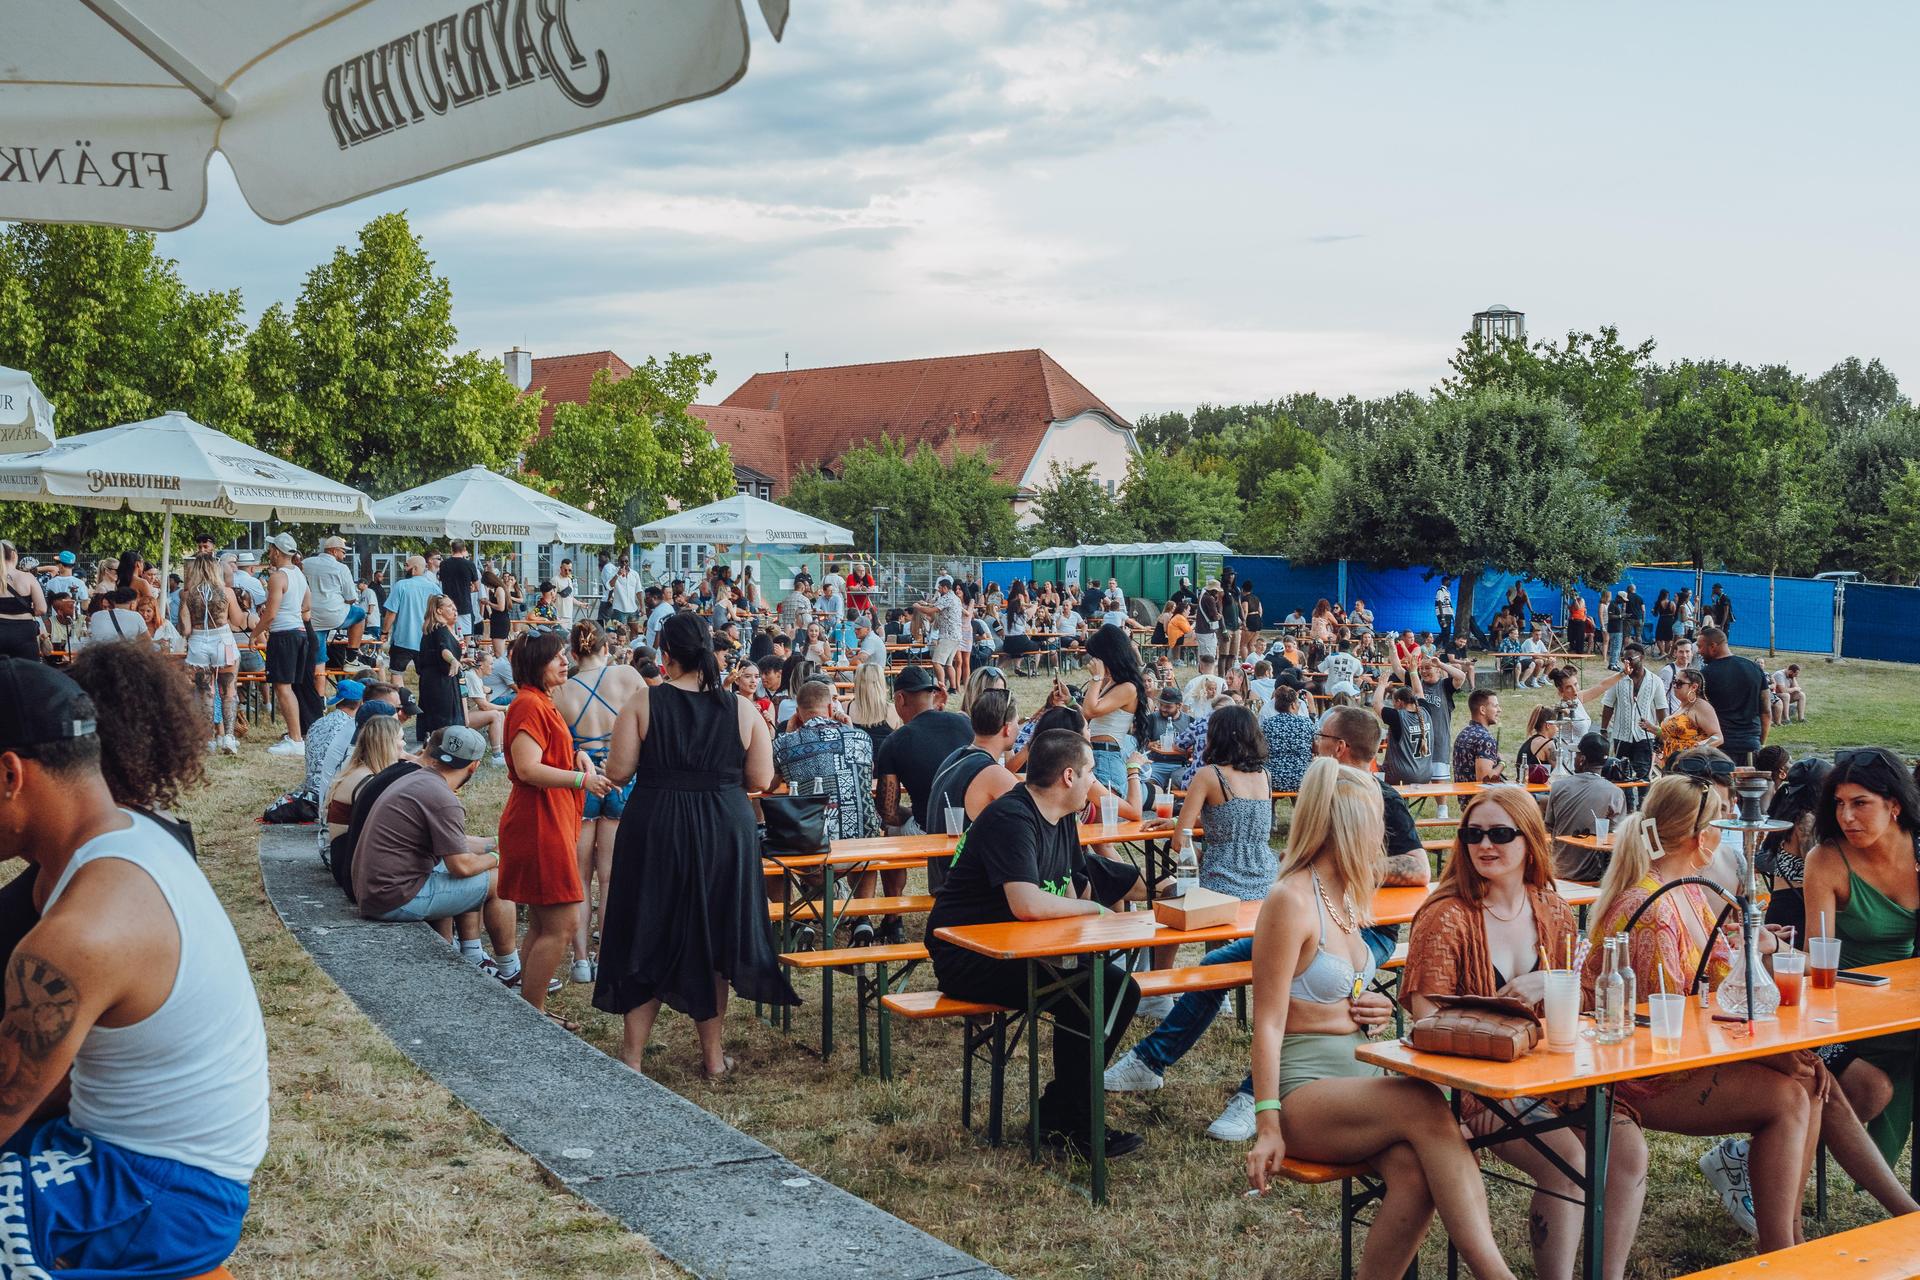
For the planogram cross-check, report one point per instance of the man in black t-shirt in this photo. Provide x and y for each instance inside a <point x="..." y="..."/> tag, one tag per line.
<point x="457" y="579"/>
<point x="907" y="760"/>
<point x="1351" y="735"/>
<point x="1021" y="860"/>
<point x="1736" y="688"/>
<point x="972" y="777"/>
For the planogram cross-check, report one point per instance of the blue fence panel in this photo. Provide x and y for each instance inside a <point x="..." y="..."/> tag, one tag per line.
<point x="1882" y="623"/>
<point x="1283" y="585"/>
<point x="1000" y="573"/>
<point x="1802" y="611"/>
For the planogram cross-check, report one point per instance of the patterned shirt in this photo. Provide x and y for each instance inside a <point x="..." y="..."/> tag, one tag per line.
<point x="1289" y="748"/>
<point x="841" y="756"/>
<point x="1476" y="742"/>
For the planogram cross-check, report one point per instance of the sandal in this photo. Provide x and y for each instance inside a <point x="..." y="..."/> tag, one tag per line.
<point x="721" y="1074"/>
<point x="566" y="1025"/>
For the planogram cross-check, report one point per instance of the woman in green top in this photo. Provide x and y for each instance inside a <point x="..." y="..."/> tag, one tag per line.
<point x="1864" y="878"/>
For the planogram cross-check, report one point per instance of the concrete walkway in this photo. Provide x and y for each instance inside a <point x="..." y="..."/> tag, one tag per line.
<point x="706" y="1195"/>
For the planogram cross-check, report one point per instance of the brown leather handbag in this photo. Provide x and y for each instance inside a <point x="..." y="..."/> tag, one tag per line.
<point x="1498" y="1028"/>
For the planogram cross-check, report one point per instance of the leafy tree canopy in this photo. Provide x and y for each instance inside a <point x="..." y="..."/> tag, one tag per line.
<point x="633" y="445"/>
<point x="1596" y="376"/>
<point x="1181" y="497"/>
<point x="934" y="505"/>
<point x="1893" y="546"/>
<point x="1073" y="508"/>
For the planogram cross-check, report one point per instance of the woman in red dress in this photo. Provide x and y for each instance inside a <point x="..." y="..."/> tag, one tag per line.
<point x="540" y="827"/>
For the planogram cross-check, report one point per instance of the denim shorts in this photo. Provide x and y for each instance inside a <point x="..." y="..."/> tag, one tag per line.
<point x="610" y="805"/>
<point x="443" y="895"/>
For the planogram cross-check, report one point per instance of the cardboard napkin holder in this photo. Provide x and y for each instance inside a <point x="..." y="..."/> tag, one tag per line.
<point x="1200" y="909"/>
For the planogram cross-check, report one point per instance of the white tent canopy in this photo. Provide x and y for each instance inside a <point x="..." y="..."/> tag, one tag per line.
<point x="486" y="507"/>
<point x="26" y="419"/>
<point x="173" y="464"/>
<point x="743" y="519"/>
<point x="113" y="107"/>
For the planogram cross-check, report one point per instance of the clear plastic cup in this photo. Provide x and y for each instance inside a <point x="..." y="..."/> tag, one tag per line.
<point x="1789" y="971"/>
<point x="1667" y="1013"/>
<point x="956" y="819"/>
<point x="1823" y="961"/>
<point x="1109" y="810"/>
<point x="1563" y="1010"/>
<point x="1163" y="805"/>
<point x="1602" y="828"/>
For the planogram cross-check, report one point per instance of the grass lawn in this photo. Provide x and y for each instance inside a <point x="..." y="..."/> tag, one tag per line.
<point x="375" y="1170"/>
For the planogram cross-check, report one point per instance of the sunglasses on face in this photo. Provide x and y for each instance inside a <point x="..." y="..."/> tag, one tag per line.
<point x="1471" y="835"/>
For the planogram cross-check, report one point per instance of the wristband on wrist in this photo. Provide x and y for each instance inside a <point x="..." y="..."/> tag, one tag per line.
<point x="1266" y="1104"/>
<point x="579" y="781"/>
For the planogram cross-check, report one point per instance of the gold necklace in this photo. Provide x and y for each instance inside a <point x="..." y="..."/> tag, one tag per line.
<point x="1333" y="913"/>
<point x="1488" y="908"/>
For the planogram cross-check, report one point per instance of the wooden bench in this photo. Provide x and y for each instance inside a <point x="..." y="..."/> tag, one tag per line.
<point x="877" y="970"/>
<point x="1361" y="1187"/>
<point x="993" y="1028"/>
<point x="904" y="905"/>
<point x="1886" y="1250"/>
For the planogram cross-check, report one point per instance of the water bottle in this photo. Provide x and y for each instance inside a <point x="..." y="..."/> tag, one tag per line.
<point x="1609" y="993"/>
<point x="1186" y="872"/>
<point x="1630" y="997"/>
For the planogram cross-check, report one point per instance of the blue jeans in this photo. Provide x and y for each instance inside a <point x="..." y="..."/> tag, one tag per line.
<point x="1110" y="766"/>
<point x="1164" y="773"/>
<point x="1192" y="1014"/>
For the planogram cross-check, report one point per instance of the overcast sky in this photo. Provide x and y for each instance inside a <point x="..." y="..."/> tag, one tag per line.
<point x="1187" y="200"/>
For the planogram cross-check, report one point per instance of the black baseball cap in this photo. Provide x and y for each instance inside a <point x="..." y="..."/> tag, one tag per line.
<point x="39" y="705"/>
<point x="914" y="680"/>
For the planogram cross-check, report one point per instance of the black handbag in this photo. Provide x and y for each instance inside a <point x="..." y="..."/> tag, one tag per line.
<point x="797" y="822"/>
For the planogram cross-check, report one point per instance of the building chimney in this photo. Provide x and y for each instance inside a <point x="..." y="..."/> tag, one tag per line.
<point x="519" y="367"/>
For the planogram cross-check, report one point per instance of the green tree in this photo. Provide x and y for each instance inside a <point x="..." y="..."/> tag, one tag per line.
<point x="1851" y="394"/>
<point x="934" y="506"/>
<point x="1598" y="377"/>
<point x="1697" y="483"/>
<point x="1180" y="497"/>
<point x="110" y="333"/>
<point x="1893" y="546"/>
<point x="633" y="445"/>
<point x="360" y="381"/>
<point x="1073" y="507"/>
<point x="1863" y="455"/>
<point x="1485" y="479"/>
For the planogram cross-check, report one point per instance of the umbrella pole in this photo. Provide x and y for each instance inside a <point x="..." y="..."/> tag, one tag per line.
<point x="166" y="548"/>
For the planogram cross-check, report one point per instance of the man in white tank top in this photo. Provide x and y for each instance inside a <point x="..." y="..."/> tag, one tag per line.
<point x="285" y="615"/>
<point x="133" y="1059"/>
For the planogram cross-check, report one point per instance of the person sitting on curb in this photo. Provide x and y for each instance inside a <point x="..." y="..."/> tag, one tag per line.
<point x="134" y="1109"/>
<point x="414" y="860"/>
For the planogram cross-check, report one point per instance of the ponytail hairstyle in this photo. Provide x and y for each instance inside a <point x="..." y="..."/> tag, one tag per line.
<point x="587" y="640"/>
<point x="1676" y="808"/>
<point x="684" y="637"/>
<point x="1339" y="812"/>
<point x="1122" y="663"/>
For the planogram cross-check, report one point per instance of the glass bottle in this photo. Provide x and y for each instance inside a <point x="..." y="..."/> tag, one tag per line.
<point x="1630" y="999"/>
<point x="1609" y="993"/>
<point x="1732" y="996"/>
<point x="1186" y="872"/>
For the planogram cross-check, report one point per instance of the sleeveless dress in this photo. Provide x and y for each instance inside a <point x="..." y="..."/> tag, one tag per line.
<point x="1239" y="862"/>
<point x="1874" y="929"/>
<point x="686" y="899"/>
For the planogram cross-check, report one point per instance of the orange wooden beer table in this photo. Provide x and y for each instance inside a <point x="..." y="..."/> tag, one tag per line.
<point x="1846" y="1012"/>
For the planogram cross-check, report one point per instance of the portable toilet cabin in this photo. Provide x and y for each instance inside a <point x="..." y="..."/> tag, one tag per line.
<point x="1148" y="572"/>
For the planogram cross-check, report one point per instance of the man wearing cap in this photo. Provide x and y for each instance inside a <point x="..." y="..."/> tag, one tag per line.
<point x="867" y="644"/>
<point x="1574" y="802"/>
<point x="244" y="579"/>
<point x="64" y="582"/>
<point x="950" y="631"/>
<point x="415" y="861"/>
<point x="406" y="615"/>
<point x="283" y="627"/>
<point x="66" y="628"/>
<point x="329" y="736"/>
<point x="132" y="996"/>
<point x="336" y="598"/>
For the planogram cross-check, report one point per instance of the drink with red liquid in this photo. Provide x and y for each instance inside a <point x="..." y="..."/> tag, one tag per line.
<point x="1823" y="961"/>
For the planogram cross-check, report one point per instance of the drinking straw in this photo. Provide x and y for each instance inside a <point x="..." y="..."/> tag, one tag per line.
<point x="1545" y="962"/>
<point x="1663" y="979"/>
<point x="1823" y="924"/>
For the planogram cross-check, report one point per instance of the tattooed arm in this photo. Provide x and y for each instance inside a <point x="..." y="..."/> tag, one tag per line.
<point x="37" y="1040"/>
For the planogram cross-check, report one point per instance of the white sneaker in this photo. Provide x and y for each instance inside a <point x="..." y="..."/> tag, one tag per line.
<point x="1725" y="1168"/>
<point x="1235" y="1124"/>
<point x="582" y="971"/>
<point x="1155" y="1007"/>
<point x="287" y="747"/>
<point x="1131" y="1075"/>
<point x="213" y="745"/>
<point x="230" y="745"/>
<point x="499" y="759"/>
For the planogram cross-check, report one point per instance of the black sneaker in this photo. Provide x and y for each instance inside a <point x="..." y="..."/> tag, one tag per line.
<point x="862" y="934"/>
<point x="1119" y="1143"/>
<point x="893" y="930"/>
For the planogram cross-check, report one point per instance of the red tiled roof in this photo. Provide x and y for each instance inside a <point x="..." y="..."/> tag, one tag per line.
<point x="757" y="438"/>
<point x="1002" y="401"/>
<point x="568" y="379"/>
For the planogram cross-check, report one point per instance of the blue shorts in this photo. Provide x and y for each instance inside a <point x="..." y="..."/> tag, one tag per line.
<point x="609" y="806"/>
<point x="355" y="614"/>
<point x="79" y="1207"/>
<point x="443" y="896"/>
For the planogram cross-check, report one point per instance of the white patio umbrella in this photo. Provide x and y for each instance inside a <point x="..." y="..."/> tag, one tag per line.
<point x="113" y="107"/>
<point x="26" y="419"/>
<point x="173" y="464"/>
<point x="744" y="519"/>
<point x="484" y="505"/>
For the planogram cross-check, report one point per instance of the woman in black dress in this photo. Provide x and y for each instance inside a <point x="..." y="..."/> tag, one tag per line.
<point x="499" y="612"/>
<point x="439" y="670"/>
<point x="1665" y="610"/>
<point x="685" y="912"/>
